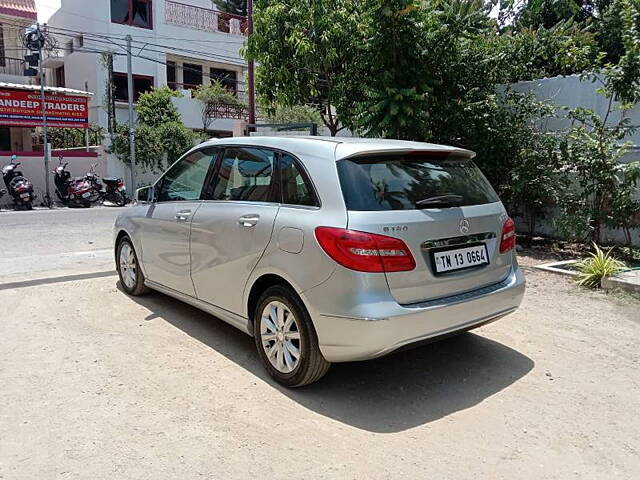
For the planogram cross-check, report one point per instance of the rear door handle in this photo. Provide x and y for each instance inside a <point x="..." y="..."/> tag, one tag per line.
<point x="249" y="220"/>
<point x="183" y="215"/>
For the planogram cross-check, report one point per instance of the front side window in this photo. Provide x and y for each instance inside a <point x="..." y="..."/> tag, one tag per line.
<point x="132" y="12"/>
<point x="296" y="188"/>
<point x="184" y="181"/>
<point x="245" y="174"/>
<point x="409" y="182"/>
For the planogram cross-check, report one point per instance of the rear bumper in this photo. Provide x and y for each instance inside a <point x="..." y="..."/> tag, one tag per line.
<point x="388" y="326"/>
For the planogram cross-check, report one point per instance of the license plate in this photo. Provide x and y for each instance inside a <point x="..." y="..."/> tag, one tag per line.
<point x="24" y="196"/>
<point x="459" y="258"/>
<point x="86" y="195"/>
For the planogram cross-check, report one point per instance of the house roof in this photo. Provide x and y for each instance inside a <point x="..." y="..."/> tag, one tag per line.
<point x="19" y="8"/>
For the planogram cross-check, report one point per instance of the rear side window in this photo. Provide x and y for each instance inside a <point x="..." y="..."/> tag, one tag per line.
<point x="245" y="174"/>
<point x="399" y="182"/>
<point x="296" y="188"/>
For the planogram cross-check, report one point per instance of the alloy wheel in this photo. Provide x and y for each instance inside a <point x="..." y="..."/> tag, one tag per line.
<point x="128" y="266"/>
<point x="280" y="337"/>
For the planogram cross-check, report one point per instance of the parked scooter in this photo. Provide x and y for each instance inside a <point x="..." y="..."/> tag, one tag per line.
<point x="17" y="185"/>
<point x="77" y="191"/>
<point x="113" y="191"/>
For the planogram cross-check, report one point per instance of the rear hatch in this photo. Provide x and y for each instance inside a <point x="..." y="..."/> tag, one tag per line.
<point x="441" y="206"/>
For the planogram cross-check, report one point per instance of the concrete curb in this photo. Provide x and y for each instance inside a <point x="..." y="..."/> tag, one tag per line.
<point x="627" y="281"/>
<point x="556" y="267"/>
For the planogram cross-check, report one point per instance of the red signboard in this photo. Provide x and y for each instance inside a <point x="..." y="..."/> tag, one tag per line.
<point x="23" y="108"/>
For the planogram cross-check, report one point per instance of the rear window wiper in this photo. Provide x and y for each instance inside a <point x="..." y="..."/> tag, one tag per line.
<point x="446" y="200"/>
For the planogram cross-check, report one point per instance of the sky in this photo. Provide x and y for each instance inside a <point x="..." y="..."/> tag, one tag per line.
<point x="46" y="8"/>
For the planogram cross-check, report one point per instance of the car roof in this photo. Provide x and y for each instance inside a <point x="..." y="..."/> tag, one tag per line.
<point x="343" y="147"/>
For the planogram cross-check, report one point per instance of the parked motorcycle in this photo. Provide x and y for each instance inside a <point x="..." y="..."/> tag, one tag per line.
<point x="17" y="185"/>
<point x="113" y="190"/>
<point x="76" y="192"/>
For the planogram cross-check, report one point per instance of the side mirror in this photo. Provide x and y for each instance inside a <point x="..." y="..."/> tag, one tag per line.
<point x="145" y="194"/>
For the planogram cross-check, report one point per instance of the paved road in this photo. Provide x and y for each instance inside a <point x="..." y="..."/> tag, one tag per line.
<point x="61" y="241"/>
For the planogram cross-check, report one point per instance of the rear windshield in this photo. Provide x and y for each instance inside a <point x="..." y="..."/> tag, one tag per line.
<point x="398" y="182"/>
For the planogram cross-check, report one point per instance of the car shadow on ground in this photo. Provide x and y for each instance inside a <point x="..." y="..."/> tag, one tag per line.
<point x="390" y="394"/>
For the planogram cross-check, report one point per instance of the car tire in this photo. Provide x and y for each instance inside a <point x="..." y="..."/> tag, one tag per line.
<point x="128" y="267"/>
<point x="299" y="335"/>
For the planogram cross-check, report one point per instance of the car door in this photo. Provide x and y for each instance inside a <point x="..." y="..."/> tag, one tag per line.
<point x="165" y="230"/>
<point x="232" y="229"/>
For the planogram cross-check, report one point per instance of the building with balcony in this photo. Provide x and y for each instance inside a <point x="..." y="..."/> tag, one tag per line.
<point x="21" y="107"/>
<point x="177" y="44"/>
<point x="15" y="16"/>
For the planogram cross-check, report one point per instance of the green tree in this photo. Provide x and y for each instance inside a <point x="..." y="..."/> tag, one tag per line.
<point x="161" y="138"/>
<point x="155" y="108"/>
<point x="531" y="53"/>
<point x="521" y="158"/>
<point x="305" y="53"/>
<point x="623" y="81"/>
<point x="546" y="13"/>
<point x="294" y="114"/>
<point x="603" y="186"/>
<point x="396" y="90"/>
<point x="237" y="7"/>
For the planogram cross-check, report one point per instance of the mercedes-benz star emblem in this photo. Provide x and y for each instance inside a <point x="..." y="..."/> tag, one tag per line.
<point x="464" y="226"/>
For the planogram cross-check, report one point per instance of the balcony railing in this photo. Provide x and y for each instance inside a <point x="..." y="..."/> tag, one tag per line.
<point x="225" y="110"/>
<point x="12" y="66"/>
<point x="205" y="19"/>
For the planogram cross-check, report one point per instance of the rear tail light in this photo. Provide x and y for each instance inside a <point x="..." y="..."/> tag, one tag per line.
<point x="508" y="239"/>
<point x="365" y="252"/>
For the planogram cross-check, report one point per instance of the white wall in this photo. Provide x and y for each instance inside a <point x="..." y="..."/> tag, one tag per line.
<point x="33" y="169"/>
<point x="570" y="91"/>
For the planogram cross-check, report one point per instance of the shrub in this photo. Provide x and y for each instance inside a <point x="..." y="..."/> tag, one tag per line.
<point x="211" y="97"/>
<point x="599" y="265"/>
<point x="161" y="138"/>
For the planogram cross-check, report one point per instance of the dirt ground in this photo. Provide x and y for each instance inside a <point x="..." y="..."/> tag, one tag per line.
<point x="97" y="385"/>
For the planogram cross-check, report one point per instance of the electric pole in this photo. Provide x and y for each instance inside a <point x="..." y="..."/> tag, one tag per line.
<point x="132" y="133"/>
<point x="45" y="132"/>
<point x="251" y="72"/>
<point x="35" y="40"/>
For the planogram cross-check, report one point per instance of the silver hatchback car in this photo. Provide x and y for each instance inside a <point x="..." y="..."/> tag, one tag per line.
<point x="325" y="249"/>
